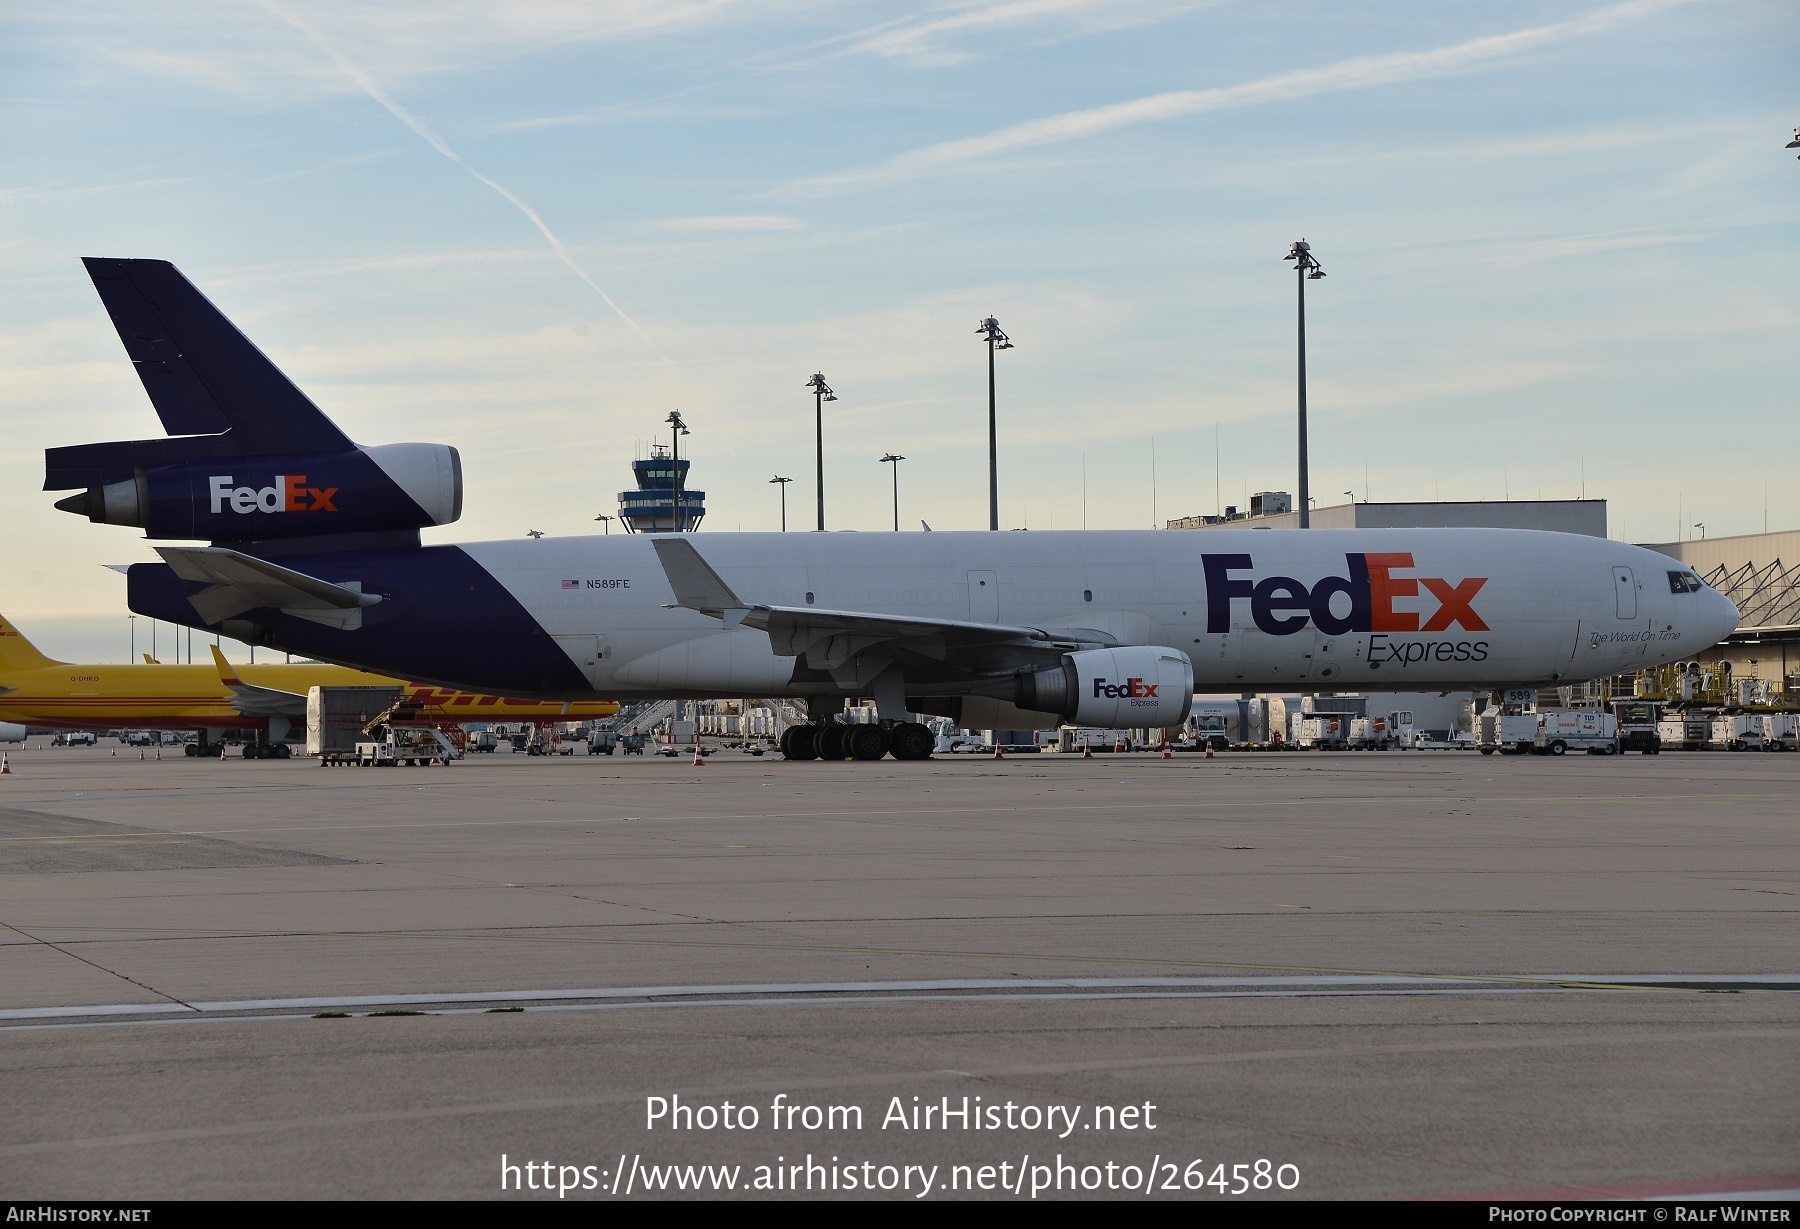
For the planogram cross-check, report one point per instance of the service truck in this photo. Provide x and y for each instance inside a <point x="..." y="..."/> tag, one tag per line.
<point x="1737" y="732"/>
<point x="1560" y="731"/>
<point x="1638" y="726"/>
<point x="1781" y="731"/>
<point x="1507" y="733"/>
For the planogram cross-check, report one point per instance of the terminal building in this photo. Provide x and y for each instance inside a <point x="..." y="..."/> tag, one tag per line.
<point x="1750" y="570"/>
<point x="1274" y="510"/>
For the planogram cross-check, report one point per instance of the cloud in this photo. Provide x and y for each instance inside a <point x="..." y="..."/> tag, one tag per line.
<point x="917" y="41"/>
<point x="731" y="222"/>
<point x="220" y="44"/>
<point x="431" y="138"/>
<point x="1361" y="72"/>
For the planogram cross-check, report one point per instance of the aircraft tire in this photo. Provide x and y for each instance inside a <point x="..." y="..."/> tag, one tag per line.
<point x="866" y="742"/>
<point x="832" y="741"/>
<point x="800" y="742"/>
<point x="911" y="741"/>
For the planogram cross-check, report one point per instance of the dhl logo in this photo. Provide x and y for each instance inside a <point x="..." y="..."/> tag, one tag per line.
<point x="1281" y="605"/>
<point x="288" y="493"/>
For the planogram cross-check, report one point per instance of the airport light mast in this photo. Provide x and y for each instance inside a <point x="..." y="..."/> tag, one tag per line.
<point x="894" y="459"/>
<point x="677" y="429"/>
<point x="1306" y="270"/>
<point x="821" y="394"/>
<point x="996" y="340"/>
<point x="608" y="520"/>
<point x="783" y="482"/>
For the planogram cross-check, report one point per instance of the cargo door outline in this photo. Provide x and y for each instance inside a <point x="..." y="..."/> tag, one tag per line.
<point x="1625" y="592"/>
<point x="589" y="654"/>
<point x="984" y="597"/>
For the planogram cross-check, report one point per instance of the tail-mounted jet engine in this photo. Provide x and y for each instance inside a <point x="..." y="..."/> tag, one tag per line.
<point x="389" y="486"/>
<point x="1140" y="687"/>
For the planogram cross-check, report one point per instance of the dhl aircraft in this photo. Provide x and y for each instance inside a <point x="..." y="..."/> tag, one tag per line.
<point x="315" y="548"/>
<point x="267" y="700"/>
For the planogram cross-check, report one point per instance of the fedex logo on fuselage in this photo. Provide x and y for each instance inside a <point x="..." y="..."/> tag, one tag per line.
<point x="1130" y="689"/>
<point x="288" y="493"/>
<point x="1281" y="605"/>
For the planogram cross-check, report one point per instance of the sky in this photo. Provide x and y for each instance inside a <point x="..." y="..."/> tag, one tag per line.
<point x="1559" y="240"/>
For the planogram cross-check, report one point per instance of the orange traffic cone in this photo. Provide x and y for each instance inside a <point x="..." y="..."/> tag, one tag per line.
<point x="1209" y="754"/>
<point x="140" y="757"/>
<point x="1168" y="754"/>
<point x="1087" y="749"/>
<point x="698" y="762"/>
<point x="997" y="754"/>
<point x="1118" y="744"/>
<point x="5" y="765"/>
<point x="115" y="753"/>
<point x="159" y="753"/>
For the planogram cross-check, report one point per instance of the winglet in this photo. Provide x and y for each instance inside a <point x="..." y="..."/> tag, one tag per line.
<point x="227" y="675"/>
<point x="696" y="585"/>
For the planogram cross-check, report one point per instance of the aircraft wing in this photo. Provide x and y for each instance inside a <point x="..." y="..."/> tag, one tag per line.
<point x="242" y="582"/>
<point x="253" y="701"/>
<point x="795" y="629"/>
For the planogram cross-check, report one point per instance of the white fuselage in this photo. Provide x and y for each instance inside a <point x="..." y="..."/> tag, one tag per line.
<point x="1424" y="609"/>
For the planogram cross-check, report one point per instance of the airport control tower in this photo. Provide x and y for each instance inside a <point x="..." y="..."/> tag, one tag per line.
<point x="651" y="508"/>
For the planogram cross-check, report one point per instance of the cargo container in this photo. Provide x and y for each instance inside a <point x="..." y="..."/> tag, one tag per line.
<point x="335" y="717"/>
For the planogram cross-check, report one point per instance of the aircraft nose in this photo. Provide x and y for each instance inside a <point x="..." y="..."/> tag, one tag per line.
<point x="1722" y="615"/>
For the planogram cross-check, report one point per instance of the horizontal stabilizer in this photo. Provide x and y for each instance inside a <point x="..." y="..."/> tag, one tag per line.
<point x="205" y="377"/>
<point x="243" y="582"/>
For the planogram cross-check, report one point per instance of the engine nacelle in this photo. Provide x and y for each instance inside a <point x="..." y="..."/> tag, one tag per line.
<point x="1141" y="687"/>
<point x="11" y="732"/>
<point x="391" y="486"/>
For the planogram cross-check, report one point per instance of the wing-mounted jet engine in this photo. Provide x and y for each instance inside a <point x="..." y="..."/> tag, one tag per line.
<point x="250" y="458"/>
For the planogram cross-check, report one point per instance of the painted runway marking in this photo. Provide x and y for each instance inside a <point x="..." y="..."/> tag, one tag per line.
<point x="963" y="989"/>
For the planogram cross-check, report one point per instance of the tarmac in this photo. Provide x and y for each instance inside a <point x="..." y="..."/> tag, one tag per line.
<point x="1357" y="975"/>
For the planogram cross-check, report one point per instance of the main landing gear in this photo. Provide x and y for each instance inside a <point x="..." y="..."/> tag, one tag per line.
<point x="906" y="740"/>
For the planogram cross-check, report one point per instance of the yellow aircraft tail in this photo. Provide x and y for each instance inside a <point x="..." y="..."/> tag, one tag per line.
<point x="18" y="653"/>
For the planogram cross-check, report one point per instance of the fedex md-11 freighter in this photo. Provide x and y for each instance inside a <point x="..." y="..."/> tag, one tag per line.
<point x="315" y="549"/>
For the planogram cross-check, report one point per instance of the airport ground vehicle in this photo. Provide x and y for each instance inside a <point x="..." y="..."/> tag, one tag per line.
<point x="1781" y="731"/>
<point x="632" y="743"/>
<point x="1560" y="731"/>
<point x="76" y="738"/>
<point x="1638" y="726"/>
<point x="1738" y="732"/>
<point x="1684" y="731"/>
<point x="315" y="550"/>
<point x="1509" y="734"/>
<point x="602" y="739"/>
<point x="484" y="741"/>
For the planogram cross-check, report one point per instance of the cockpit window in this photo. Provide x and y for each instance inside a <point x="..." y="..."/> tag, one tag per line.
<point x="1683" y="582"/>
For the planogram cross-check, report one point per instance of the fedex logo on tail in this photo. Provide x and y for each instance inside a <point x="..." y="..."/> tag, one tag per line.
<point x="1281" y="605"/>
<point x="289" y="493"/>
<point x="1133" y="688"/>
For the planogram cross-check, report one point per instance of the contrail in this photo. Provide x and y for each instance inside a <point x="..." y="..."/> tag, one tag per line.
<point x="424" y="132"/>
<point x="1358" y="73"/>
